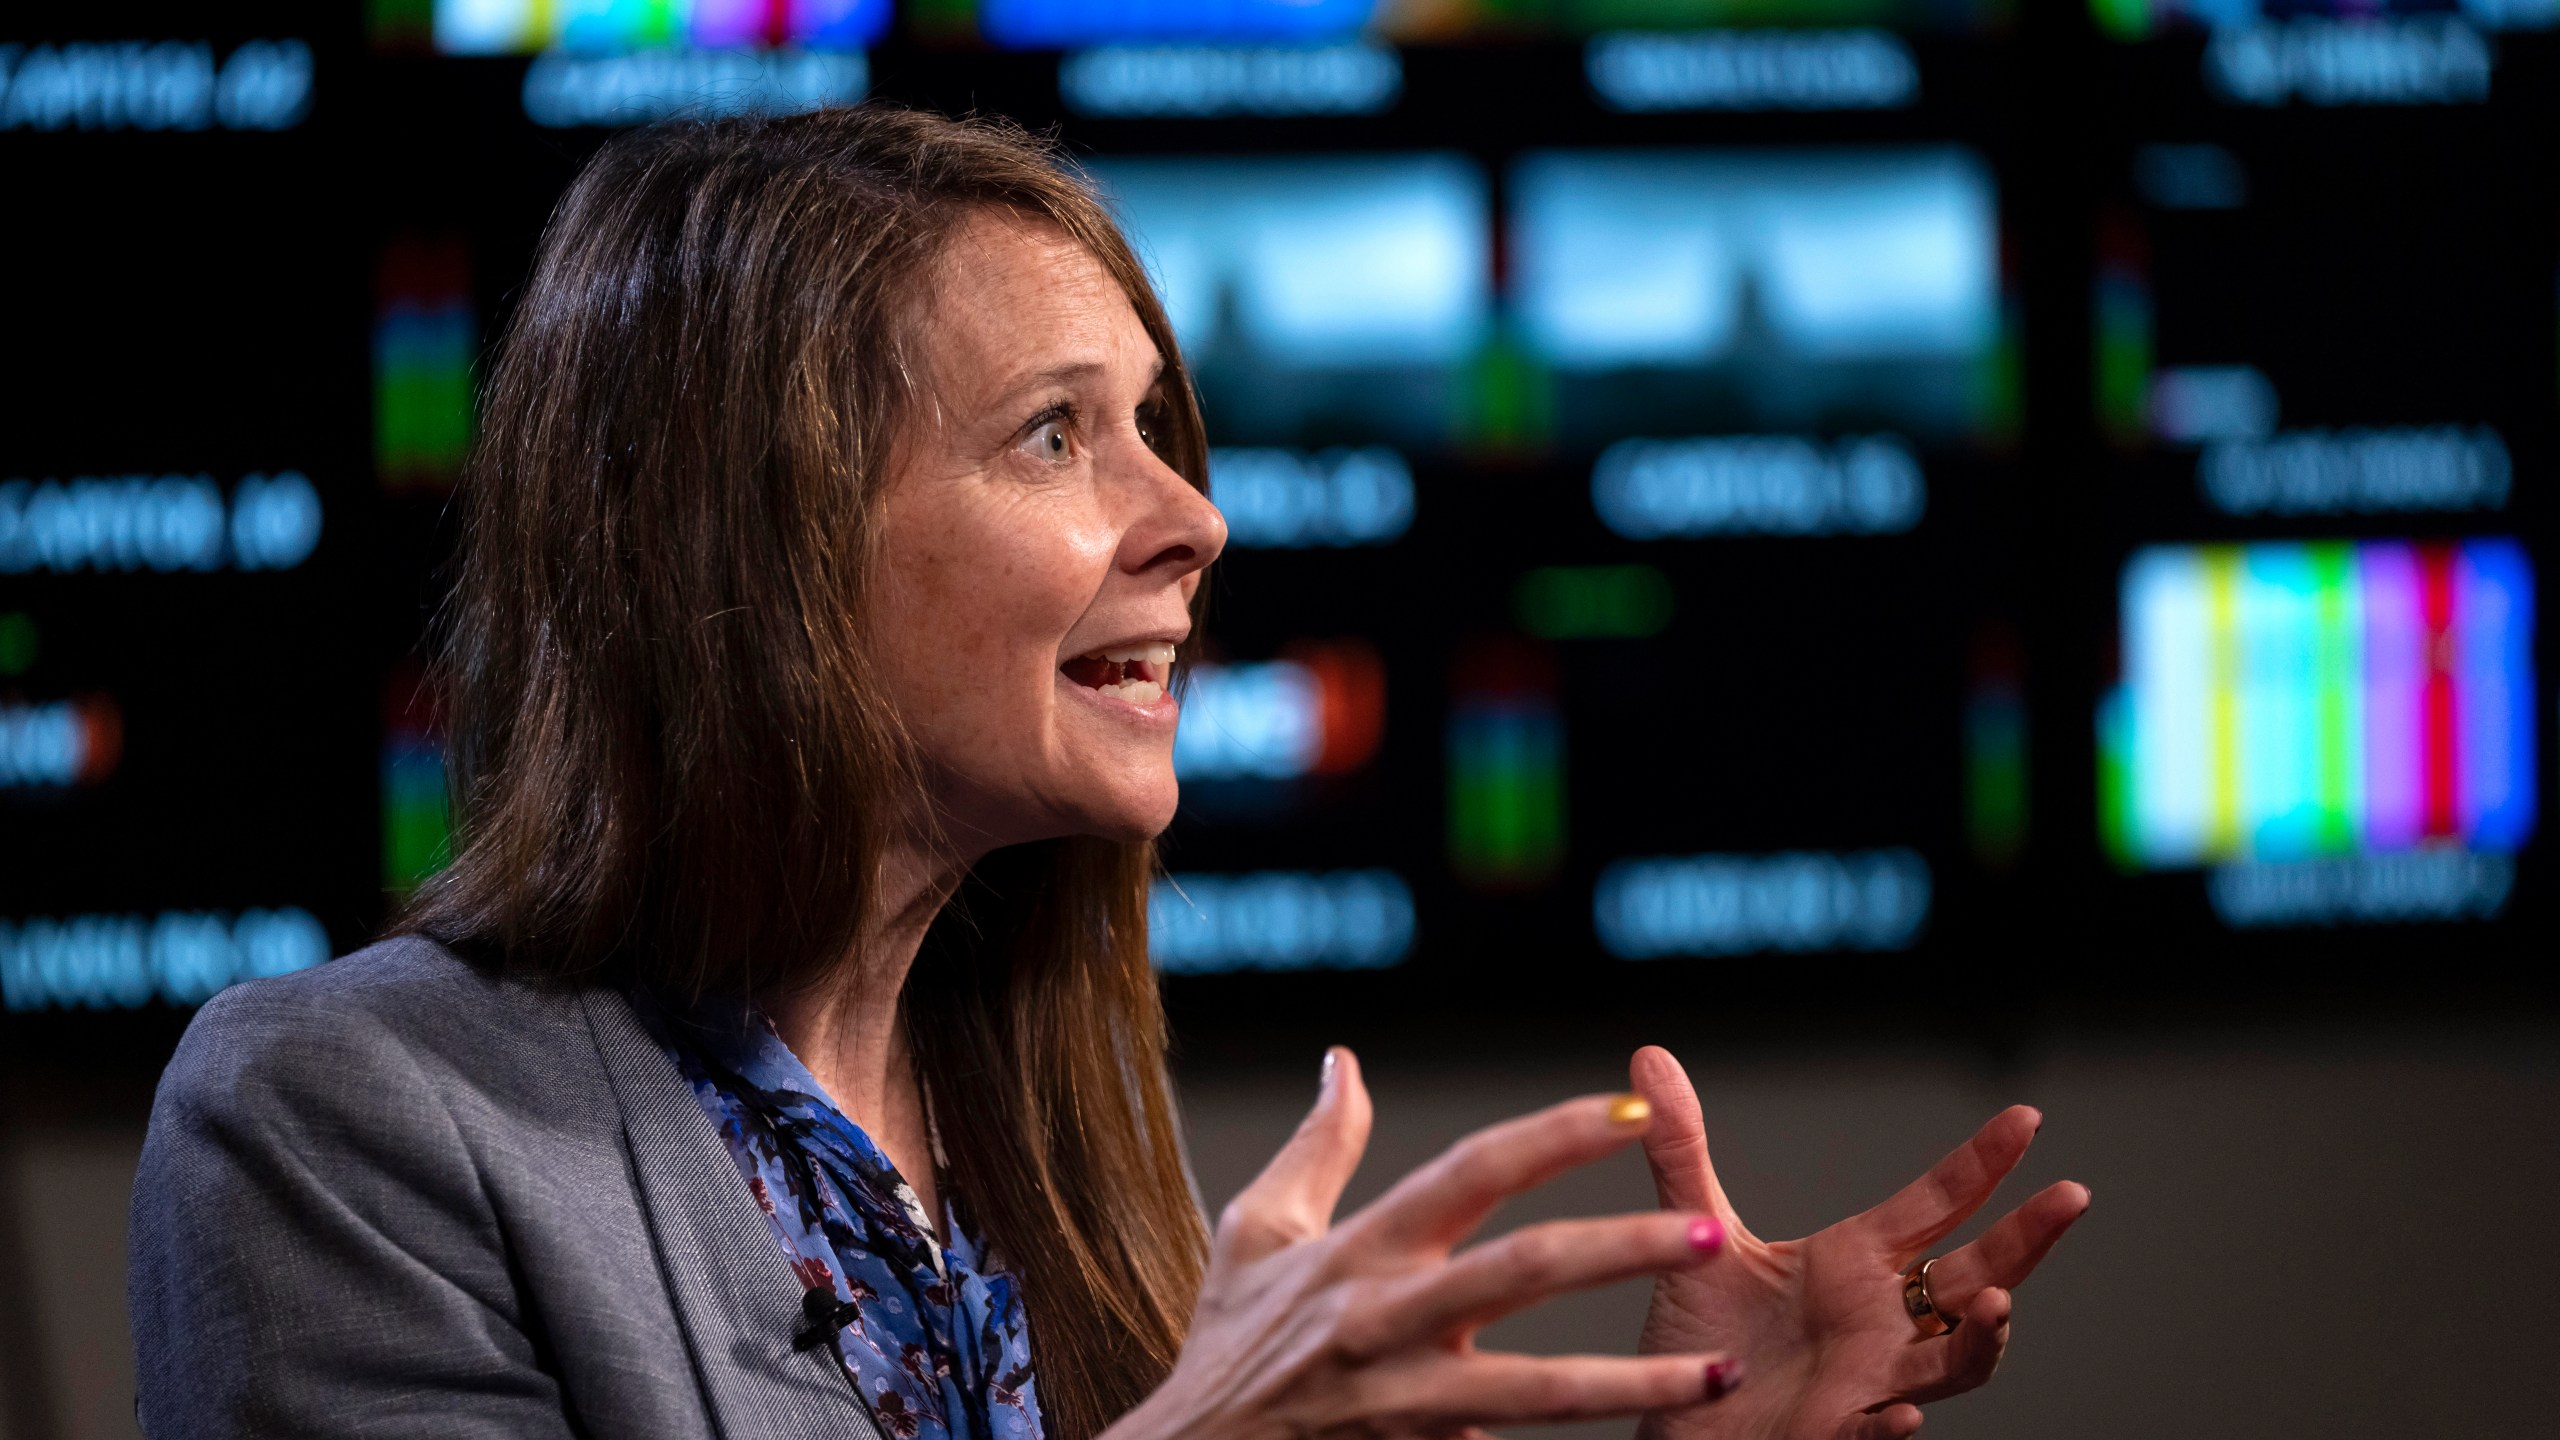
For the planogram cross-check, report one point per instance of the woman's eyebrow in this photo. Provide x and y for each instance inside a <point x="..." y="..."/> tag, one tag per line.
<point x="1056" y="376"/>
<point x="1053" y="377"/>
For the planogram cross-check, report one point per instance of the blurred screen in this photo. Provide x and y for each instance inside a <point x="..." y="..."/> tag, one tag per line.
<point x="1678" y="291"/>
<point x="1052" y="24"/>
<point x="1714" y="487"/>
<point x="1320" y="300"/>
<point x="506" y="27"/>
<point x="2326" y="401"/>
<point x="2288" y="700"/>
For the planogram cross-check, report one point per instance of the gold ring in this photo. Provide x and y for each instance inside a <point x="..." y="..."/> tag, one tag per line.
<point x="1922" y="1306"/>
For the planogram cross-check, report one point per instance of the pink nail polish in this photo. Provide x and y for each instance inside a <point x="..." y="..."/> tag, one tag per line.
<point x="1706" y="1235"/>
<point x="1722" y="1377"/>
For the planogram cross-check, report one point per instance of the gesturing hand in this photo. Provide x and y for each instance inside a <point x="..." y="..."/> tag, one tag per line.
<point x="1365" y="1329"/>
<point x="1818" y="1323"/>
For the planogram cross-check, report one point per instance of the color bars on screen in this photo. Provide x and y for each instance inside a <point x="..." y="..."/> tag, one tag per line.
<point x="2289" y="700"/>
<point x="506" y="27"/>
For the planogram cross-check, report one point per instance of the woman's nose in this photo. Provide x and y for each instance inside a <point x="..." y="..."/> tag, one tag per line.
<point x="1179" y="531"/>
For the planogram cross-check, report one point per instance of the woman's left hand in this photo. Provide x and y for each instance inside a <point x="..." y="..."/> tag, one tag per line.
<point x="1827" y="1351"/>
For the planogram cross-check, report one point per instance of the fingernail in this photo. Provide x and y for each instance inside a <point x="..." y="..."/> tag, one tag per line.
<point x="1722" y="1377"/>
<point x="1630" y="1110"/>
<point x="1324" y="1077"/>
<point x="1706" y="1235"/>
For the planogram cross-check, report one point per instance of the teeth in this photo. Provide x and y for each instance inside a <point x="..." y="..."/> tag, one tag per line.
<point x="1154" y="653"/>
<point x="1136" y="692"/>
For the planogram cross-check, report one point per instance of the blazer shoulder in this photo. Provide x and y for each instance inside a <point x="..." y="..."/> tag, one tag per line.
<point x="390" y="975"/>
<point x="407" y="1004"/>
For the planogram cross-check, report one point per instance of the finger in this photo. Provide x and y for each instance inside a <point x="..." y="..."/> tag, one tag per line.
<point x="1893" y="1422"/>
<point x="1293" y="1198"/>
<point x="1675" y="1145"/>
<point x="2007" y="1253"/>
<point x="1960" y="1361"/>
<point x="1490" y="1388"/>
<point x="1531" y="1264"/>
<point x="1437" y="1205"/>
<point x="1955" y="1187"/>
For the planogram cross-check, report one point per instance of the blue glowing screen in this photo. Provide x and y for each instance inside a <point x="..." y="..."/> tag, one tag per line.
<point x="1321" y="300"/>
<point x="1681" y="291"/>
<point x="1314" y="262"/>
<point x="1668" y="258"/>
<point x="1057" y="24"/>
<point x="1279" y="920"/>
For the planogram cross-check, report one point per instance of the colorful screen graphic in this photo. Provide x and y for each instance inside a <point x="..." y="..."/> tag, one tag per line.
<point x="2293" y="700"/>
<point x="1318" y="710"/>
<point x="1056" y="24"/>
<point x="517" y="27"/>
<point x="1506" y="766"/>
<point x="426" y="333"/>
<point x="64" y="742"/>
<point x="417" y="824"/>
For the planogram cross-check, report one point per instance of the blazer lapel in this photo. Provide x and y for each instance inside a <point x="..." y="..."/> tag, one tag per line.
<point x="736" y="1300"/>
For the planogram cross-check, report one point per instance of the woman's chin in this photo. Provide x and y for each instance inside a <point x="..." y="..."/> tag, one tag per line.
<point x="1128" y="815"/>
<point x="1136" y="824"/>
<point x="1114" y="786"/>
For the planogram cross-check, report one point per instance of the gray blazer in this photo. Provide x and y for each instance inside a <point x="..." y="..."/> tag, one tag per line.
<point x="395" y="1196"/>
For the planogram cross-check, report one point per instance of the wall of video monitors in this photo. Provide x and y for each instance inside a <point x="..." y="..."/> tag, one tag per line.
<point x="1720" y="490"/>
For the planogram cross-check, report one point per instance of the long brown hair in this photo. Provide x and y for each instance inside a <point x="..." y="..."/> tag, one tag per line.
<point x="674" y="768"/>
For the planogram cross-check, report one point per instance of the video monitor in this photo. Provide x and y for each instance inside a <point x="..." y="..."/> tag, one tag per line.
<point x="2135" y="19"/>
<point x="1530" y="468"/>
<point x="1060" y="24"/>
<point x="516" y="27"/>
<point x="1342" y="300"/>
<point x="1668" y="292"/>
<point x="1320" y="300"/>
<point x="1064" y="24"/>
<point x="2322" y="378"/>
<point x="2291" y="699"/>
<point x="1709" y="482"/>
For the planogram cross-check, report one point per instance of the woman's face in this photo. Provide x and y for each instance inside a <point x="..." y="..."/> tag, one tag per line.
<point x="1039" y="558"/>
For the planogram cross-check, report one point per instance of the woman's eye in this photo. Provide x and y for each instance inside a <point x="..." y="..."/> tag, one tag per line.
<point x="1049" y="441"/>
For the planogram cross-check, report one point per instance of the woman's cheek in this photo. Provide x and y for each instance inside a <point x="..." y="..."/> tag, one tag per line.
<point x="1062" y="574"/>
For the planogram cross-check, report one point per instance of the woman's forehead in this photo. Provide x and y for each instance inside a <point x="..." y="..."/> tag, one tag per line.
<point x="1016" y="300"/>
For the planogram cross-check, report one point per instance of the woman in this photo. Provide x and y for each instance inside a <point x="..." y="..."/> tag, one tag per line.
<point x="779" y="1055"/>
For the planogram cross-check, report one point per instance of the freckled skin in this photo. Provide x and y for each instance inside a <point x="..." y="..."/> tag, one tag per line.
<point x="1027" y="522"/>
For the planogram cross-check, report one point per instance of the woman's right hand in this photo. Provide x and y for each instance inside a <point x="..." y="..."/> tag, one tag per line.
<point x="1306" y="1328"/>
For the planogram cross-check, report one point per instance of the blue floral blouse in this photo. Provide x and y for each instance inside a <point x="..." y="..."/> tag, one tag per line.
<point x="934" y="1337"/>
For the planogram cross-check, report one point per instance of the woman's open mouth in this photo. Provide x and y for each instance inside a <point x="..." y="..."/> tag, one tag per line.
<point x="1135" y="673"/>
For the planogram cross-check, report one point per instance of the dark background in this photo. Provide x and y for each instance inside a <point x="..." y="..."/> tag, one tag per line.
<point x="205" y="302"/>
